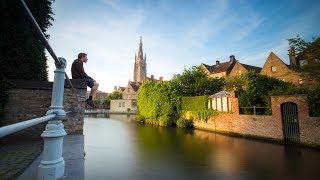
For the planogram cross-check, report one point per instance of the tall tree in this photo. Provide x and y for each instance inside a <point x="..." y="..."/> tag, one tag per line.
<point x="22" y="56"/>
<point x="310" y="52"/>
<point x="195" y="82"/>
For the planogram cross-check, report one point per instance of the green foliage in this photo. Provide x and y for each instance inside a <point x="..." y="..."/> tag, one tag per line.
<point x="22" y="56"/>
<point x="257" y="89"/>
<point x="310" y="51"/>
<point x="314" y="101"/>
<point x="184" y="123"/>
<point x="158" y="102"/>
<point x="235" y="83"/>
<point x="195" y="82"/>
<point x="194" y="103"/>
<point x="204" y="114"/>
<point x="298" y="43"/>
<point x="112" y="96"/>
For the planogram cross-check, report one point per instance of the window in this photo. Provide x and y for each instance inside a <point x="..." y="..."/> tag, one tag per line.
<point x="119" y="104"/>
<point x="122" y="104"/>
<point x="273" y="68"/>
<point x="134" y="103"/>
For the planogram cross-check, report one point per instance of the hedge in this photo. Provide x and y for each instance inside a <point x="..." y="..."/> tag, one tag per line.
<point x="194" y="103"/>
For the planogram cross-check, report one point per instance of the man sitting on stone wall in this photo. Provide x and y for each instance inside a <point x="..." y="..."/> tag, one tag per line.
<point x="77" y="72"/>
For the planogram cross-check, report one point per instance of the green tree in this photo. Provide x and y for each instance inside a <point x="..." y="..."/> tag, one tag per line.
<point x="310" y="51"/>
<point x="22" y="56"/>
<point x="255" y="89"/>
<point x="195" y="82"/>
<point x="112" y="96"/>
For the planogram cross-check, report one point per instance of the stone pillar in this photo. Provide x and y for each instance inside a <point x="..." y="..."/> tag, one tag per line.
<point x="52" y="164"/>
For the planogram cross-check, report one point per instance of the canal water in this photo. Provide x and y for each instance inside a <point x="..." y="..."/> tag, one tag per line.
<point x="117" y="148"/>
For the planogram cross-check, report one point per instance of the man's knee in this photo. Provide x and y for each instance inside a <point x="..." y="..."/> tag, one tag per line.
<point x="96" y="84"/>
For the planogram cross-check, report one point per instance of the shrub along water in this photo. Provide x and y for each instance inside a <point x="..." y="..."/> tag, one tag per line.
<point x="158" y="103"/>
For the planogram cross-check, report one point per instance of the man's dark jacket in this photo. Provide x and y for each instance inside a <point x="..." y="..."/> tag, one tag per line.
<point x="77" y="70"/>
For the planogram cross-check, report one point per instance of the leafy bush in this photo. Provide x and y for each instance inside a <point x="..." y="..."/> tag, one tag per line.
<point x="184" y="123"/>
<point x="165" y="121"/>
<point x="158" y="101"/>
<point x="314" y="101"/>
<point x="194" y="103"/>
<point x="139" y="118"/>
<point x="257" y="89"/>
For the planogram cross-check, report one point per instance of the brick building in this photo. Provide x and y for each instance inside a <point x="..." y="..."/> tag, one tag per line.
<point x="230" y="68"/>
<point x="219" y="69"/>
<point x="240" y="68"/>
<point x="128" y="103"/>
<point x="275" y="67"/>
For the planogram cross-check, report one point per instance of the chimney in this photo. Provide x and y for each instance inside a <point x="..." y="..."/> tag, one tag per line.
<point x="161" y="78"/>
<point x="292" y="57"/>
<point x="232" y="58"/>
<point x="217" y="62"/>
<point x="152" y="77"/>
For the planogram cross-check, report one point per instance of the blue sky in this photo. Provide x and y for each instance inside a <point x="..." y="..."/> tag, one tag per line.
<point x="176" y="34"/>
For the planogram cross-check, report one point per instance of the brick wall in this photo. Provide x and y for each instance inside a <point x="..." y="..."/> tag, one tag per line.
<point x="32" y="99"/>
<point x="266" y="126"/>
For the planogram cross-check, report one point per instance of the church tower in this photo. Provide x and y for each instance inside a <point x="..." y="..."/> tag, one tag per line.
<point x="140" y="65"/>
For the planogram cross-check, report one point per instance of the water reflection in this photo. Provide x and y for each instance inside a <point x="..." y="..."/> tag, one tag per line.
<point x="118" y="149"/>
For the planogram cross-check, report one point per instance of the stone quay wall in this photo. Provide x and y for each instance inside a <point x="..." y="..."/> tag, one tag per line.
<point x="32" y="99"/>
<point x="266" y="126"/>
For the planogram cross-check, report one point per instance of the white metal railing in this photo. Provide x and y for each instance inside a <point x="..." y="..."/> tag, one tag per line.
<point x="52" y="165"/>
<point x="10" y="129"/>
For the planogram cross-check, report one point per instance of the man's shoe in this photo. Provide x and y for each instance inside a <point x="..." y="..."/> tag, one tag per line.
<point x="90" y="103"/>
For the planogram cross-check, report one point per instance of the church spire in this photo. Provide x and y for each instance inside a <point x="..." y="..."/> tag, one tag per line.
<point x="140" y="52"/>
<point x="140" y="65"/>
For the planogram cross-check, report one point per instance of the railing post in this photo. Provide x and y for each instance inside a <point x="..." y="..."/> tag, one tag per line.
<point x="52" y="164"/>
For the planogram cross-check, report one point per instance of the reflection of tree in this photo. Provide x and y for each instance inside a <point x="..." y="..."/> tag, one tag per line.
<point x="176" y="149"/>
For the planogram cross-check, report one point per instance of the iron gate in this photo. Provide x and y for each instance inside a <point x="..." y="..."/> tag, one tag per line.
<point x="290" y="122"/>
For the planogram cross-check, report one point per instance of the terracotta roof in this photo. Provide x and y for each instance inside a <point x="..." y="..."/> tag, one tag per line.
<point x="221" y="67"/>
<point x="249" y="67"/>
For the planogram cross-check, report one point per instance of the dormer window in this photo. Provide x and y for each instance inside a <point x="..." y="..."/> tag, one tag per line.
<point x="273" y="68"/>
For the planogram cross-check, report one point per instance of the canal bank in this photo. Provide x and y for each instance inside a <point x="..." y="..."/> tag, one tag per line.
<point x="151" y="152"/>
<point x="303" y="130"/>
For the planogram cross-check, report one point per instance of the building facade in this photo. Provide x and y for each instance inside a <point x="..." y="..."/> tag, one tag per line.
<point x="275" y="67"/>
<point x="219" y="70"/>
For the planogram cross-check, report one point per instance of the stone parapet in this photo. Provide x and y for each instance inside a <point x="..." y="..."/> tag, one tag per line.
<point x="32" y="99"/>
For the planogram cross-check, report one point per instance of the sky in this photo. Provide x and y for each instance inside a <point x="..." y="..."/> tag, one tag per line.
<point x="176" y="34"/>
